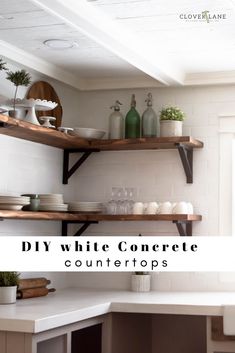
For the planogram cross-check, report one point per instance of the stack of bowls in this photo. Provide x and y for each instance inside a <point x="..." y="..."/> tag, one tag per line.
<point x="14" y="203"/>
<point x="52" y="203"/>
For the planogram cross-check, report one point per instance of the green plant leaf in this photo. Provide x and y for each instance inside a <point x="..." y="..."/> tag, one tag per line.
<point x="9" y="279"/>
<point x="3" y="66"/>
<point x="19" y="78"/>
<point x="172" y="113"/>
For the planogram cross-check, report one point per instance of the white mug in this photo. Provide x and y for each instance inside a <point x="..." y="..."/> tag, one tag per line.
<point x="165" y="208"/>
<point x="190" y="208"/>
<point x="181" y="208"/>
<point x="152" y="208"/>
<point x="138" y="208"/>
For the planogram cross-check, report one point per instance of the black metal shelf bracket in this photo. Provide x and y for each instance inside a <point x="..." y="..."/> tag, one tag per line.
<point x="185" y="228"/>
<point x="67" y="173"/>
<point x="2" y="124"/>
<point x="80" y="231"/>
<point x="186" y="156"/>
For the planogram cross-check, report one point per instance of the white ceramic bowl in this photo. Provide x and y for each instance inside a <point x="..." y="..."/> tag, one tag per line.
<point x="88" y="133"/>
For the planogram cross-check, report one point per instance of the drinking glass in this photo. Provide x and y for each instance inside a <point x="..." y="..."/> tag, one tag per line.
<point x="120" y="201"/>
<point x="129" y="198"/>
<point x="112" y="206"/>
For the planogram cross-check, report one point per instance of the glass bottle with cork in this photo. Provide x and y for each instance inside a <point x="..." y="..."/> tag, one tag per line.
<point x="116" y="122"/>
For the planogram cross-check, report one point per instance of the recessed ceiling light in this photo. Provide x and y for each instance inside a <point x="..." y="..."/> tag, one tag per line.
<point x="60" y="44"/>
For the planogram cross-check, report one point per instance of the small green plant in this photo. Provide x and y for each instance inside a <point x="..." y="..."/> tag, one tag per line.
<point x="172" y="113"/>
<point x="3" y="66"/>
<point x="18" y="78"/>
<point x="9" y="279"/>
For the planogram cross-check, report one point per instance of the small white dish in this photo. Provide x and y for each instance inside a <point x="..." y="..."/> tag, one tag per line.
<point x="10" y="207"/>
<point x="65" y="130"/>
<point x="88" y="133"/>
<point x="47" y="121"/>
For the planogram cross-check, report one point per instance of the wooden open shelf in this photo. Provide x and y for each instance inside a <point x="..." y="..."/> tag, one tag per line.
<point x="65" y="216"/>
<point x="27" y="131"/>
<point x="182" y="221"/>
<point x="70" y="144"/>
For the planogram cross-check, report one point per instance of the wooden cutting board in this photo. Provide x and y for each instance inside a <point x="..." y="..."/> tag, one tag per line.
<point x="43" y="90"/>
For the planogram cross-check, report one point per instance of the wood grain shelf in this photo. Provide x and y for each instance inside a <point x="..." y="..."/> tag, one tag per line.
<point x="66" y="216"/>
<point x="71" y="144"/>
<point x="182" y="221"/>
<point x="27" y="131"/>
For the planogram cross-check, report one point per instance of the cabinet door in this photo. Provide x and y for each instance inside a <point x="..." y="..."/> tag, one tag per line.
<point x="87" y="340"/>
<point x="131" y="333"/>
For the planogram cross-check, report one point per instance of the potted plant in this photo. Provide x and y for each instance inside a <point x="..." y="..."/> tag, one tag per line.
<point x="8" y="287"/>
<point x="18" y="78"/>
<point x="140" y="282"/>
<point x="2" y="65"/>
<point x="171" y="121"/>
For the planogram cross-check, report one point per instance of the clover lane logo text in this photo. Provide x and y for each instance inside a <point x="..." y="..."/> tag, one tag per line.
<point x="203" y="16"/>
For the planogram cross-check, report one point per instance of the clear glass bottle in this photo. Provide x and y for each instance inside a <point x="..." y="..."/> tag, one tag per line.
<point x="149" y="119"/>
<point x="116" y="122"/>
<point x="132" y="122"/>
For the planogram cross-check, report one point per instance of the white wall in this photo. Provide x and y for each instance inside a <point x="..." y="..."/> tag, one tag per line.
<point x="158" y="175"/>
<point x="28" y="167"/>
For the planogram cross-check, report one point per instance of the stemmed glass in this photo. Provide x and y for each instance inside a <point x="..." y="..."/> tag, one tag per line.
<point x="121" y="201"/>
<point x="130" y="199"/>
<point x="112" y="206"/>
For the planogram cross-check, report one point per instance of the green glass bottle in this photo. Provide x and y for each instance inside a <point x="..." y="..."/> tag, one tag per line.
<point x="132" y="121"/>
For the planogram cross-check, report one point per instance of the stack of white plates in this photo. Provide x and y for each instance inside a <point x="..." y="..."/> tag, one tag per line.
<point x="14" y="203"/>
<point x="88" y="207"/>
<point x="52" y="203"/>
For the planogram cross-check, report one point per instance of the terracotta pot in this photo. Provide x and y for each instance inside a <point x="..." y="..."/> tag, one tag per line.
<point x="140" y="283"/>
<point x="8" y="295"/>
<point x="169" y="128"/>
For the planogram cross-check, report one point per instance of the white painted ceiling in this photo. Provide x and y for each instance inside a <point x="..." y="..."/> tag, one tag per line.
<point x="195" y="46"/>
<point x="185" y="47"/>
<point x="27" y="26"/>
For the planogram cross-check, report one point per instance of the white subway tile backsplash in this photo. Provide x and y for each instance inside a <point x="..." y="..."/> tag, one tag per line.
<point x="158" y="175"/>
<point x="202" y="106"/>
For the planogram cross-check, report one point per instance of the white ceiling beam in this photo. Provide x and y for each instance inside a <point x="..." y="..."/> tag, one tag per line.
<point x="32" y="62"/>
<point x="91" y="84"/>
<point x="210" y="78"/>
<point x="93" y="23"/>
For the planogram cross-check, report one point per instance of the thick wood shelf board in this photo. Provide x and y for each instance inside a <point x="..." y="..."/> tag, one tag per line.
<point x="30" y="132"/>
<point x="150" y="143"/>
<point x="64" y="216"/>
<point x="26" y="131"/>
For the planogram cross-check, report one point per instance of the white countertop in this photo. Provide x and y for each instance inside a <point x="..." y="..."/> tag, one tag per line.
<point x="71" y="305"/>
